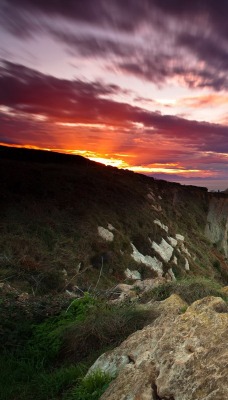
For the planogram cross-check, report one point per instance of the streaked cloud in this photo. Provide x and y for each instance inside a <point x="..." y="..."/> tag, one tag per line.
<point x="50" y="112"/>
<point x="139" y="84"/>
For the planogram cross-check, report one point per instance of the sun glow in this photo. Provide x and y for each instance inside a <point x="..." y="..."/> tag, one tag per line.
<point x="117" y="160"/>
<point x="110" y="161"/>
<point x="170" y="171"/>
<point x="26" y="146"/>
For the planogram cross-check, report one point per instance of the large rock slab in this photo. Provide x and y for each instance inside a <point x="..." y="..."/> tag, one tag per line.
<point x="217" y="223"/>
<point x="183" y="355"/>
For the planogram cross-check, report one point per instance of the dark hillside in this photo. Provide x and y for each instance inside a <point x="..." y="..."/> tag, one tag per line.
<point x="74" y="235"/>
<point x="52" y="205"/>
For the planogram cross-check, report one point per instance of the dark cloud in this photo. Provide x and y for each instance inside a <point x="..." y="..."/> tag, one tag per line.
<point x="207" y="66"/>
<point x="18" y="20"/>
<point x="153" y="67"/>
<point x="211" y="12"/>
<point x="160" y="68"/>
<point x="206" y="49"/>
<point x="125" y="15"/>
<point x="92" y="46"/>
<point x="186" y="40"/>
<point x="27" y="93"/>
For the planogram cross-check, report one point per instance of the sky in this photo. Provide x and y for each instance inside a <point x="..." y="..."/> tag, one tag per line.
<point x="137" y="84"/>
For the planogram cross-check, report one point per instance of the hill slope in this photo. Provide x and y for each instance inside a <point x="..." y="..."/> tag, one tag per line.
<point x="66" y="220"/>
<point x="70" y="227"/>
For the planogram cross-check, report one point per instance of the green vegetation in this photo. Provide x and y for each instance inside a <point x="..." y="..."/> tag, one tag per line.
<point x="50" y="208"/>
<point x="49" y="358"/>
<point x="105" y="327"/>
<point x="190" y="290"/>
<point x="91" y="387"/>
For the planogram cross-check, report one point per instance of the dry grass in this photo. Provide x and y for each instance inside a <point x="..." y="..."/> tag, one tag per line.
<point x="50" y="208"/>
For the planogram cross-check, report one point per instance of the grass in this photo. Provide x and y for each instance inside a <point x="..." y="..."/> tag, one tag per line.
<point x="48" y="359"/>
<point x="106" y="326"/>
<point x="23" y="379"/>
<point x="91" y="387"/>
<point x="190" y="290"/>
<point x="50" y="208"/>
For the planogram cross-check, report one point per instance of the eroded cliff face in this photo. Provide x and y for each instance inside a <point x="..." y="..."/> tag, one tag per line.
<point x="217" y="222"/>
<point x="181" y="356"/>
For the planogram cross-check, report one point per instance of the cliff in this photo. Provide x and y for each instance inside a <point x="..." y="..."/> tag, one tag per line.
<point x="217" y="222"/>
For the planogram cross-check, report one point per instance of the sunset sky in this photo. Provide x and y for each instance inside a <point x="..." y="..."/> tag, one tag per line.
<point x="137" y="84"/>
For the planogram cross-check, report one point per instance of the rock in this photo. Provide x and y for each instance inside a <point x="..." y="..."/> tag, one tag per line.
<point x="105" y="234"/>
<point x="171" y="274"/>
<point x="172" y="241"/>
<point x="148" y="284"/>
<point x="110" y="227"/>
<point x="124" y="287"/>
<point x="135" y="275"/>
<point x="180" y="237"/>
<point x="151" y="262"/>
<point x="151" y="196"/>
<point x="175" y="260"/>
<point x="180" y="356"/>
<point x="7" y="288"/>
<point x="157" y="222"/>
<point x="156" y="207"/>
<point x="217" y="223"/>
<point x="184" y="250"/>
<point x="65" y="274"/>
<point x="187" y="268"/>
<point x="164" y="249"/>
<point x="224" y="290"/>
<point x="23" y="297"/>
<point x="131" y="291"/>
<point x="125" y="292"/>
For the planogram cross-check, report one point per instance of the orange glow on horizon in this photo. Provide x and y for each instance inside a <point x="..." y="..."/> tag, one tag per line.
<point x="189" y="173"/>
<point x="110" y="161"/>
<point x="26" y="146"/>
<point x="156" y="168"/>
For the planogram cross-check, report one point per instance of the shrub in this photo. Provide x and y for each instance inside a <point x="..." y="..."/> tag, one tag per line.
<point x="46" y="341"/>
<point x="34" y="368"/>
<point x="28" y="364"/>
<point x="104" y="326"/>
<point x="15" y="325"/>
<point x="51" y="280"/>
<point x="91" y="387"/>
<point x="50" y="385"/>
<point x="23" y="379"/>
<point x="190" y="290"/>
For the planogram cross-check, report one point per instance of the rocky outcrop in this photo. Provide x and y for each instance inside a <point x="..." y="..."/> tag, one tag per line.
<point x="181" y="356"/>
<point x="217" y="223"/>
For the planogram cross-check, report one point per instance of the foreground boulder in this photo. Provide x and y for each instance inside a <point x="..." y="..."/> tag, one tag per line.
<point x="183" y="355"/>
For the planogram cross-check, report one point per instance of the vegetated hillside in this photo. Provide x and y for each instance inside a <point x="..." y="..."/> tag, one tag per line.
<point x="67" y="222"/>
<point x="88" y="254"/>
